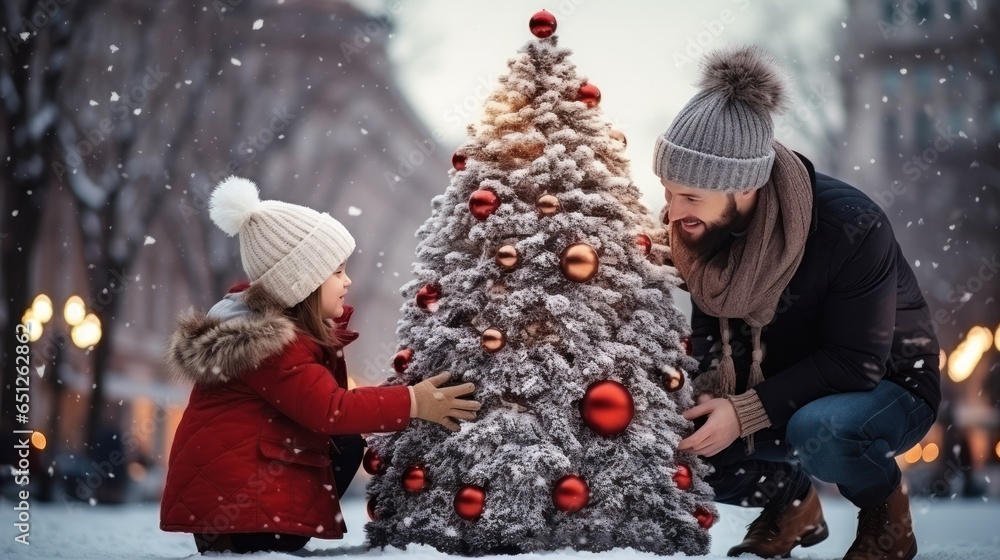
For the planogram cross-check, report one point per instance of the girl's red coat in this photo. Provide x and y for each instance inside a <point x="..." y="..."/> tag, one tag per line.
<point x="252" y="452"/>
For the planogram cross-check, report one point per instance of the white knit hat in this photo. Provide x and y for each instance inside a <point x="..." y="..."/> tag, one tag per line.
<point x="289" y="249"/>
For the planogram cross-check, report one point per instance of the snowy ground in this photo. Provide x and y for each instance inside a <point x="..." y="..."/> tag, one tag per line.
<point x="945" y="529"/>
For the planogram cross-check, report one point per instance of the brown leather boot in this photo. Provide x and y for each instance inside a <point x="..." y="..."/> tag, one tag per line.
<point x="885" y="532"/>
<point x="779" y="529"/>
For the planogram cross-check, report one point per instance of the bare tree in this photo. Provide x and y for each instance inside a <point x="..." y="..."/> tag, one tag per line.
<point x="33" y="63"/>
<point x="120" y="189"/>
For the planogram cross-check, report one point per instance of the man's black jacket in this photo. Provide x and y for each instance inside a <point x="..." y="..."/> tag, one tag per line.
<point x="851" y="315"/>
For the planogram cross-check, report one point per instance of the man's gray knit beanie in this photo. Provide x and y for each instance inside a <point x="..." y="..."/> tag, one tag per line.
<point x="721" y="140"/>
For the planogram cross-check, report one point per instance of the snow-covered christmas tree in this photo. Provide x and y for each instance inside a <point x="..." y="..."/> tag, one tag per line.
<point x="539" y="281"/>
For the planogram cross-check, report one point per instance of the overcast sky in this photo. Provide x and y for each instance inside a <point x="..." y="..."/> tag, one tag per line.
<point x="642" y="55"/>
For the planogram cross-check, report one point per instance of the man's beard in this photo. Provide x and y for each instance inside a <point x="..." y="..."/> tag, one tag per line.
<point x="716" y="235"/>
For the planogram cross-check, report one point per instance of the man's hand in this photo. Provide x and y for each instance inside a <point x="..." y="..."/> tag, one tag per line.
<point x="720" y="430"/>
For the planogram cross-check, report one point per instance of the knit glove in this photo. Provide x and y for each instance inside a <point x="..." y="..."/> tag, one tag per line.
<point x="429" y="401"/>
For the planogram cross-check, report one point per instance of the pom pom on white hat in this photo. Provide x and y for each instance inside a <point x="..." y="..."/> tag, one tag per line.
<point x="232" y="203"/>
<point x="289" y="249"/>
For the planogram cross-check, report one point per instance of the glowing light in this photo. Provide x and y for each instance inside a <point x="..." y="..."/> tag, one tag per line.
<point x="33" y="325"/>
<point x="930" y="452"/>
<point x="74" y="311"/>
<point x="38" y="440"/>
<point x="42" y="308"/>
<point x="965" y="358"/>
<point x="913" y="455"/>
<point x="88" y="332"/>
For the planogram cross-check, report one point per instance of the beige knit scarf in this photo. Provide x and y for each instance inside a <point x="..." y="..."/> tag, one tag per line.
<point x="745" y="280"/>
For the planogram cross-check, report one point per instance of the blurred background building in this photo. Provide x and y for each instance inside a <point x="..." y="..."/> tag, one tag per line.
<point x="921" y="132"/>
<point x="119" y="118"/>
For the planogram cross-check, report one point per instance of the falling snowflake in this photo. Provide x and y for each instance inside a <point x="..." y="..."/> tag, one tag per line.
<point x="353" y="211"/>
<point x="114" y="48"/>
<point x="149" y="241"/>
<point x="258" y="24"/>
<point x="235" y="61"/>
<point x="93" y="103"/>
<point x="114" y="96"/>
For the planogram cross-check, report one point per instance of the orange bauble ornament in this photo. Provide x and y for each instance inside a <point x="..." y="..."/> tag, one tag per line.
<point x="470" y="502"/>
<point x="607" y="408"/>
<point x="493" y="340"/>
<point x="507" y="257"/>
<point x="548" y="205"/>
<point x="619" y="136"/>
<point x="570" y="494"/>
<point x="673" y="378"/>
<point x="579" y="262"/>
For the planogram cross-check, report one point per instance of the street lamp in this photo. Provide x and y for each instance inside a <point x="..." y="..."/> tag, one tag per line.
<point x="85" y="331"/>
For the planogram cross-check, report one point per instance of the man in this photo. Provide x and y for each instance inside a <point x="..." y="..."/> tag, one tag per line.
<point x="806" y="321"/>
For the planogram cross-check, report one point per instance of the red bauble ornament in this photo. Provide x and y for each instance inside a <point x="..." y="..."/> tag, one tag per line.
<point x="542" y="24"/>
<point x="570" y="494"/>
<point x="704" y="517"/>
<point x="482" y="203"/>
<point x="688" y="346"/>
<point x="415" y="478"/>
<point x="373" y="462"/>
<point x="427" y="297"/>
<point x="590" y="95"/>
<point x="644" y="243"/>
<point x="458" y="161"/>
<point x="371" y="510"/>
<point x="682" y="476"/>
<point x="470" y="502"/>
<point x="401" y="361"/>
<point x="607" y="408"/>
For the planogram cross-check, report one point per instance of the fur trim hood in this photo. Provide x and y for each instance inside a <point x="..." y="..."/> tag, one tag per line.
<point x="236" y="335"/>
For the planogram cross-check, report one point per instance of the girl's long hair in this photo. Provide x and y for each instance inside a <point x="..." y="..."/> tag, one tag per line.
<point x="307" y="317"/>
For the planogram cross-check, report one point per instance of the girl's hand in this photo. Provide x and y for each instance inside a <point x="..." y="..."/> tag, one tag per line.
<point x="430" y="401"/>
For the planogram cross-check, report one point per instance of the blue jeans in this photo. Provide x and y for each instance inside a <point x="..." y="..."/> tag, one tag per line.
<point x="849" y="439"/>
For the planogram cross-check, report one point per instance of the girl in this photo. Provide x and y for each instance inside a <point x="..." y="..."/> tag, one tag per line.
<point x="252" y="466"/>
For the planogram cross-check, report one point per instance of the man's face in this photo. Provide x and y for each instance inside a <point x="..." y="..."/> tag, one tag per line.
<point x="705" y="218"/>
